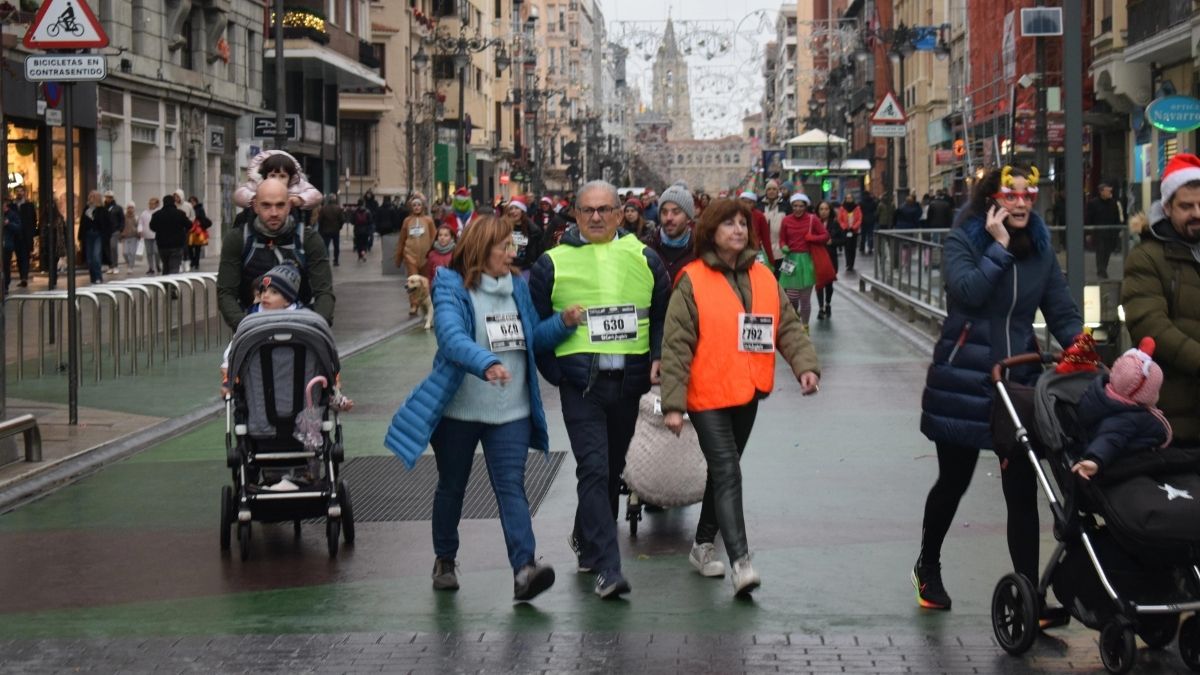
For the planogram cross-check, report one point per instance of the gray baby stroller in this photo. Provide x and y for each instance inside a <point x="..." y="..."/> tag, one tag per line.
<point x="285" y="456"/>
<point x="1128" y="557"/>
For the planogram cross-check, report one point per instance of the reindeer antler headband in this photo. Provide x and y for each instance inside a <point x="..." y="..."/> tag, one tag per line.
<point x="1006" y="179"/>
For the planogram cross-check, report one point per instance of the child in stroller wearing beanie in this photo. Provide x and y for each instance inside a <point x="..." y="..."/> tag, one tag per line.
<point x="1118" y="411"/>
<point x="277" y="290"/>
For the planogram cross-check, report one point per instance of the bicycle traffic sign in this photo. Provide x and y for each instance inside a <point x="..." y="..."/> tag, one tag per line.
<point x="65" y="24"/>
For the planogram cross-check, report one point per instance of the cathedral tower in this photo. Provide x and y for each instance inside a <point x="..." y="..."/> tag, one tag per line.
<point x="670" y="96"/>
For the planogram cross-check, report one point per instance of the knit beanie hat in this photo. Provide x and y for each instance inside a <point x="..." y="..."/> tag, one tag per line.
<point x="679" y="195"/>
<point x="285" y="279"/>
<point x="1135" y="376"/>
<point x="1181" y="170"/>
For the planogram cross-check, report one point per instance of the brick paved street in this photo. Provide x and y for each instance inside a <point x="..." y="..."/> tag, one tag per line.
<point x="121" y="572"/>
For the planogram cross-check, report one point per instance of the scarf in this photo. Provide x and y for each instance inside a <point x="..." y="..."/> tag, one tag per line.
<point x="498" y="286"/>
<point x="443" y="249"/>
<point x="288" y="226"/>
<point x="682" y="241"/>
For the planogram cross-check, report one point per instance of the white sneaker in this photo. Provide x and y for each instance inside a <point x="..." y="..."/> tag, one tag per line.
<point x="745" y="579"/>
<point x="704" y="559"/>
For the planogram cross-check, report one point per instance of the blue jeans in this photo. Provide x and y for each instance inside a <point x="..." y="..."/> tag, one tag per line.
<point x="505" y="447"/>
<point x="600" y="426"/>
<point x="93" y="252"/>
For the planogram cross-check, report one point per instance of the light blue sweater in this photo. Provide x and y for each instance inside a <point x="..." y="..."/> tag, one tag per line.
<point x="482" y="401"/>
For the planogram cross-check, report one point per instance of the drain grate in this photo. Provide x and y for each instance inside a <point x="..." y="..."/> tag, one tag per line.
<point x="383" y="490"/>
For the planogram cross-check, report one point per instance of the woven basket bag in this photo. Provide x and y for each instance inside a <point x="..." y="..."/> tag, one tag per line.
<point x="662" y="468"/>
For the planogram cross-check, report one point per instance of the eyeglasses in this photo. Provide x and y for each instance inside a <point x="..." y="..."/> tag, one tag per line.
<point x="1014" y="197"/>
<point x="603" y="211"/>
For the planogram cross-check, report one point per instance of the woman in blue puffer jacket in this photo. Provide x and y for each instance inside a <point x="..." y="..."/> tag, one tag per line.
<point x="999" y="269"/>
<point x="483" y="388"/>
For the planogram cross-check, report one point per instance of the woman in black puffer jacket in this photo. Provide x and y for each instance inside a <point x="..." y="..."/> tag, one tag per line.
<point x="999" y="269"/>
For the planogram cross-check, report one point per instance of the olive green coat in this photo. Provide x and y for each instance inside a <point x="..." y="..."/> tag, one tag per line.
<point x="1161" y="296"/>
<point x="682" y="331"/>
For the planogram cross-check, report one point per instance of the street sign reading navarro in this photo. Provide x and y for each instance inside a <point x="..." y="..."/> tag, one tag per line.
<point x="65" y="24"/>
<point x="65" y="68"/>
<point x="1174" y="114"/>
<point x="889" y="111"/>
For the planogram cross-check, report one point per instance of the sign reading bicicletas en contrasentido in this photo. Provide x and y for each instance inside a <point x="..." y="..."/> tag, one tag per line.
<point x="65" y="68"/>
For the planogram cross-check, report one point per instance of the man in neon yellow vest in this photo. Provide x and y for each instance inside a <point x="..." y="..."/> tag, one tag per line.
<point x="605" y="366"/>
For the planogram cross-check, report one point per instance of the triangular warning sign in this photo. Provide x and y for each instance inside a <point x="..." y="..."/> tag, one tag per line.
<point x="65" y="24"/>
<point x="889" y="111"/>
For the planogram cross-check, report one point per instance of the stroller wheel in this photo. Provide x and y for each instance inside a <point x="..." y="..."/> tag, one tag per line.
<point x="1118" y="651"/>
<point x="1157" y="630"/>
<point x="347" y="514"/>
<point x="227" y="516"/>
<point x="1015" y="614"/>
<point x="333" y="530"/>
<point x="1189" y="643"/>
<point x="244" y="540"/>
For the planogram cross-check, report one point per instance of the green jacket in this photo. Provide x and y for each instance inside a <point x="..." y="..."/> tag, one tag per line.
<point x="680" y="334"/>
<point x="1161" y="297"/>
<point x="316" y="287"/>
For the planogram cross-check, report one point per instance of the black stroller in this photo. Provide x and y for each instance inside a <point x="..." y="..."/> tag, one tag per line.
<point x="1126" y="559"/>
<point x="276" y="361"/>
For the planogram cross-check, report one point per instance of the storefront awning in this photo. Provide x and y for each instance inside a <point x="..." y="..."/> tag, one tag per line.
<point x="336" y="67"/>
<point x="837" y="167"/>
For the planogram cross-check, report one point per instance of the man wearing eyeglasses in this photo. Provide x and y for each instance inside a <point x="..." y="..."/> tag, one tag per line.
<point x="605" y="365"/>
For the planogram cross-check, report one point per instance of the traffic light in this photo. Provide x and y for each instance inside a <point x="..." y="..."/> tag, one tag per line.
<point x="826" y="185"/>
<point x="960" y="148"/>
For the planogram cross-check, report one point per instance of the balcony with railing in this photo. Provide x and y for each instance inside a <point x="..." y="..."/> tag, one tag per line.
<point x="1150" y="18"/>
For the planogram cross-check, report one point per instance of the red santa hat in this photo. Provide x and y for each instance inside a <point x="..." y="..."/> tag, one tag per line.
<point x="519" y="202"/>
<point x="462" y="192"/>
<point x="1181" y="170"/>
<point x="547" y="200"/>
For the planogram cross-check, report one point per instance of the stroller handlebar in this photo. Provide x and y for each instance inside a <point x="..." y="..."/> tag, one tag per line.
<point x="1045" y="358"/>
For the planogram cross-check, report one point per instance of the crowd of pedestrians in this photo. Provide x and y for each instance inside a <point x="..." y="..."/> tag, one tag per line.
<point x="605" y="297"/>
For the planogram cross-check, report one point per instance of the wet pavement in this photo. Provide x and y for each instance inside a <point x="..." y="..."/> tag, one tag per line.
<point x="121" y="571"/>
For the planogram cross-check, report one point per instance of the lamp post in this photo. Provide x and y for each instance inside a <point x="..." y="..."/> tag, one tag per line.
<point x="901" y="42"/>
<point x="461" y="47"/>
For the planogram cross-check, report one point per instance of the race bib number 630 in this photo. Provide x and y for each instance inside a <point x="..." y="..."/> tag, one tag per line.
<point x="612" y="323"/>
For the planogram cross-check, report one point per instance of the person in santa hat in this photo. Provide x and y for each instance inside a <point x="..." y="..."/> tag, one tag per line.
<point x="551" y="224"/>
<point x="1161" y="293"/>
<point x="462" y="212"/>
<point x="999" y="270"/>
<point x="526" y="236"/>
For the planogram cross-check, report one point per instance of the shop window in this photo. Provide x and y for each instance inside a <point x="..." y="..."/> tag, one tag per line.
<point x="356" y="146"/>
<point x="139" y="133"/>
<point x="143" y="108"/>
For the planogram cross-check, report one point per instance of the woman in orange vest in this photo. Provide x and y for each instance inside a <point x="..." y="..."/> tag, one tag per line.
<point x="726" y="319"/>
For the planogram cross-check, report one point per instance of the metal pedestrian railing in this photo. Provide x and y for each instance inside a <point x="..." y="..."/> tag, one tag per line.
<point x="906" y="274"/>
<point x="131" y="322"/>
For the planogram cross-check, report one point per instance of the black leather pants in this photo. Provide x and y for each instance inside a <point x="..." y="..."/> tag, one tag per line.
<point x="723" y="434"/>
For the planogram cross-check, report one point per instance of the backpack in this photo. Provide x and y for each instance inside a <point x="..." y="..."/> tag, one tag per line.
<point x="362" y="218"/>
<point x="250" y="244"/>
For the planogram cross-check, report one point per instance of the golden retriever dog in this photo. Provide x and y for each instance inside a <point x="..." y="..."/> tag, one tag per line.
<point x="418" y="298"/>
